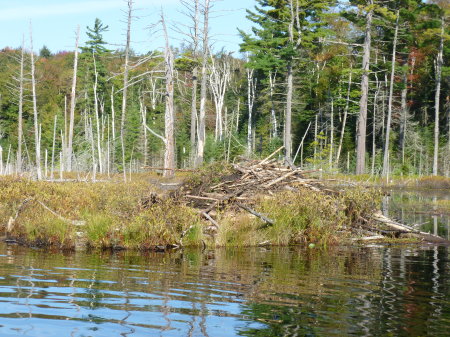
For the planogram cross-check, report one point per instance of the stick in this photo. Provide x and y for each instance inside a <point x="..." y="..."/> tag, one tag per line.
<point x="270" y="156"/>
<point x="287" y="175"/>
<point x="201" y="198"/>
<point x="259" y="215"/>
<point x="207" y="216"/>
<point x="59" y="216"/>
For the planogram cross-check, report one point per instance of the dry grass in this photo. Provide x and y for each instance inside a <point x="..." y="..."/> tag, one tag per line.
<point x="118" y="214"/>
<point x="115" y="213"/>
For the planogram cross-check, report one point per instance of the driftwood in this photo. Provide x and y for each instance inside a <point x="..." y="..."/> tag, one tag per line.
<point x="404" y="229"/>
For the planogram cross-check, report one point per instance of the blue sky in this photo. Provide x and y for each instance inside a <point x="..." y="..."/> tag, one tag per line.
<point x="54" y="22"/>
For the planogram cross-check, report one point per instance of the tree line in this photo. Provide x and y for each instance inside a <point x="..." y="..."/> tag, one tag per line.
<point x="361" y="86"/>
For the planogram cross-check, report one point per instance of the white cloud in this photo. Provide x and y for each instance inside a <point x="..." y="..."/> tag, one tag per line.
<point x="70" y="8"/>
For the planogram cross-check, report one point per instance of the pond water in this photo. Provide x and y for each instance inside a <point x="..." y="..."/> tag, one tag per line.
<point x="426" y="210"/>
<point x="342" y="291"/>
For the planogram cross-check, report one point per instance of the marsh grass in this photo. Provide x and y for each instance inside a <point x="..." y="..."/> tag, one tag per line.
<point x="303" y="216"/>
<point x="118" y="215"/>
<point x="410" y="181"/>
<point x="112" y="211"/>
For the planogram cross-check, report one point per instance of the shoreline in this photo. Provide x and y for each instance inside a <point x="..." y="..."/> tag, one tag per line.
<point x="144" y="215"/>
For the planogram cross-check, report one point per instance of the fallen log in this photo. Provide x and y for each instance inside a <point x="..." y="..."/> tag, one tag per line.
<point x="405" y="229"/>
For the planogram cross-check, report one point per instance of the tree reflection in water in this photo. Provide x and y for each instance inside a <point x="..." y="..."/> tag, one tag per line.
<point x="363" y="291"/>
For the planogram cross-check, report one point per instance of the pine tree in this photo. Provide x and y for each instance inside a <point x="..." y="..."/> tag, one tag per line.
<point x="284" y="28"/>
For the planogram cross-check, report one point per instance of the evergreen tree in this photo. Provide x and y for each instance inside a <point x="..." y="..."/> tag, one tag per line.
<point x="45" y="52"/>
<point x="285" y="28"/>
<point x="96" y="44"/>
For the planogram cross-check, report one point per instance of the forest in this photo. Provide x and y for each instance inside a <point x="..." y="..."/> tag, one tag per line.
<point x="355" y="87"/>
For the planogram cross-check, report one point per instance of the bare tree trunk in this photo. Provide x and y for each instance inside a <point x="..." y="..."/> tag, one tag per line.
<point x="202" y="118"/>
<point x="374" y="124"/>
<point x="169" y="153"/>
<point x="194" y="117"/>
<point x="125" y="86"/>
<point x="219" y="78"/>
<point x="316" y="122"/>
<point x="53" y="147"/>
<point x="330" y="161"/>
<point x="144" y="117"/>
<point x="439" y="63"/>
<point x="295" y="41"/>
<point x="19" y="118"/>
<point x="344" y="120"/>
<point x="391" y="95"/>
<point x="35" y="111"/>
<point x="404" y="121"/>
<point x="113" y="127"/>
<point x="97" y="118"/>
<point x="288" y="118"/>
<point x="72" y="105"/>
<point x="251" y="86"/>
<point x="362" y="120"/>
<point x="273" y="117"/>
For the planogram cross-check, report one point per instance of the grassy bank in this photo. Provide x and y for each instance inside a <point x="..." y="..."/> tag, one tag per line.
<point x="138" y="215"/>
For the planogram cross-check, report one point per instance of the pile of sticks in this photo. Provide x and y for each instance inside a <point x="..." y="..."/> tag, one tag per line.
<point x="250" y="177"/>
<point x="266" y="177"/>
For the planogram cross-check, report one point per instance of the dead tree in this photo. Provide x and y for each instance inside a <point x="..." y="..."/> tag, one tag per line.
<point x="19" y="117"/>
<point x="193" y="12"/>
<point x="220" y="73"/>
<point x="251" y="94"/>
<point x="344" y="120"/>
<point x="362" y="119"/>
<point x="439" y="63"/>
<point x="390" y="103"/>
<point x="35" y="111"/>
<point x="125" y="84"/>
<point x="72" y="104"/>
<point x="273" y="117"/>
<point x="201" y="134"/>
<point x="97" y="118"/>
<point x="169" y="152"/>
